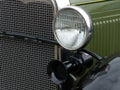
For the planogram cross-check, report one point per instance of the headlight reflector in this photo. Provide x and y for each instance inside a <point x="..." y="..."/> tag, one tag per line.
<point x="72" y="27"/>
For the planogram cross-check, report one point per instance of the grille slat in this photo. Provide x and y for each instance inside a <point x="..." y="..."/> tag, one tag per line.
<point x="23" y="63"/>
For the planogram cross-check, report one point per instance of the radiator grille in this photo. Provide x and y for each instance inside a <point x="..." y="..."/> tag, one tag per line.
<point x="34" y="18"/>
<point x="23" y="63"/>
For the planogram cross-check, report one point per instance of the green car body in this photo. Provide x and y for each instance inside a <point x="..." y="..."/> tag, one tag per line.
<point x="105" y="15"/>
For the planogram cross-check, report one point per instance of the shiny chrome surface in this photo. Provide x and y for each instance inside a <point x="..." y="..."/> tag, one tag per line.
<point x="60" y="4"/>
<point x="74" y="39"/>
<point x="55" y="6"/>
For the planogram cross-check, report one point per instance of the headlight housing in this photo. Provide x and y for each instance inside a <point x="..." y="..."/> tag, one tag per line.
<point x="72" y="27"/>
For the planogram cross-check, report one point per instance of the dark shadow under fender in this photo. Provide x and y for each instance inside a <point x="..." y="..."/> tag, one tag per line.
<point x="109" y="80"/>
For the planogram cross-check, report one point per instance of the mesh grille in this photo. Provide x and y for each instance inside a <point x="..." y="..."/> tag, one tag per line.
<point x="23" y="63"/>
<point x="34" y="18"/>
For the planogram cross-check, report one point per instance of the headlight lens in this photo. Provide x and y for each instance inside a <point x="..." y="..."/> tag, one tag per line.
<point x="72" y="27"/>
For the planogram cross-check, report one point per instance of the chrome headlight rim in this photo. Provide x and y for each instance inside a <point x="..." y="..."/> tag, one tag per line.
<point x="88" y="22"/>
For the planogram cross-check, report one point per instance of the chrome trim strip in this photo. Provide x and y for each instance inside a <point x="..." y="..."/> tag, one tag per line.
<point x="27" y="37"/>
<point x="60" y="4"/>
<point x="55" y="6"/>
<point x="88" y="21"/>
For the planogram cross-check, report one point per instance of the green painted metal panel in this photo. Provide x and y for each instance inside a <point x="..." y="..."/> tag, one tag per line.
<point x="101" y="8"/>
<point x="78" y="2"/>
<point x="106" y="38"/>
<point x="106" y="23"/>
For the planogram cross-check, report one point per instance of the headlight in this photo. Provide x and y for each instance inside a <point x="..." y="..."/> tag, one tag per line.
<point x="72" y="27"/>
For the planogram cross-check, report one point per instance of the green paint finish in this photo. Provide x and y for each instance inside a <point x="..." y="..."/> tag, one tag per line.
<point x="106" y="23"/>
<point x="106" y="38"/>
<point x="101" y="7"/>
<point x="80" y="2"/>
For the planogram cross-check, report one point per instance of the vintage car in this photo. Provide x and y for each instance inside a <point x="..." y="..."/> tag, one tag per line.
<point x="59" y="44"/>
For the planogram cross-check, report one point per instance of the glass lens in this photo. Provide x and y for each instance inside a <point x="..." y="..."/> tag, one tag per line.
<point x="70" y="29"/>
